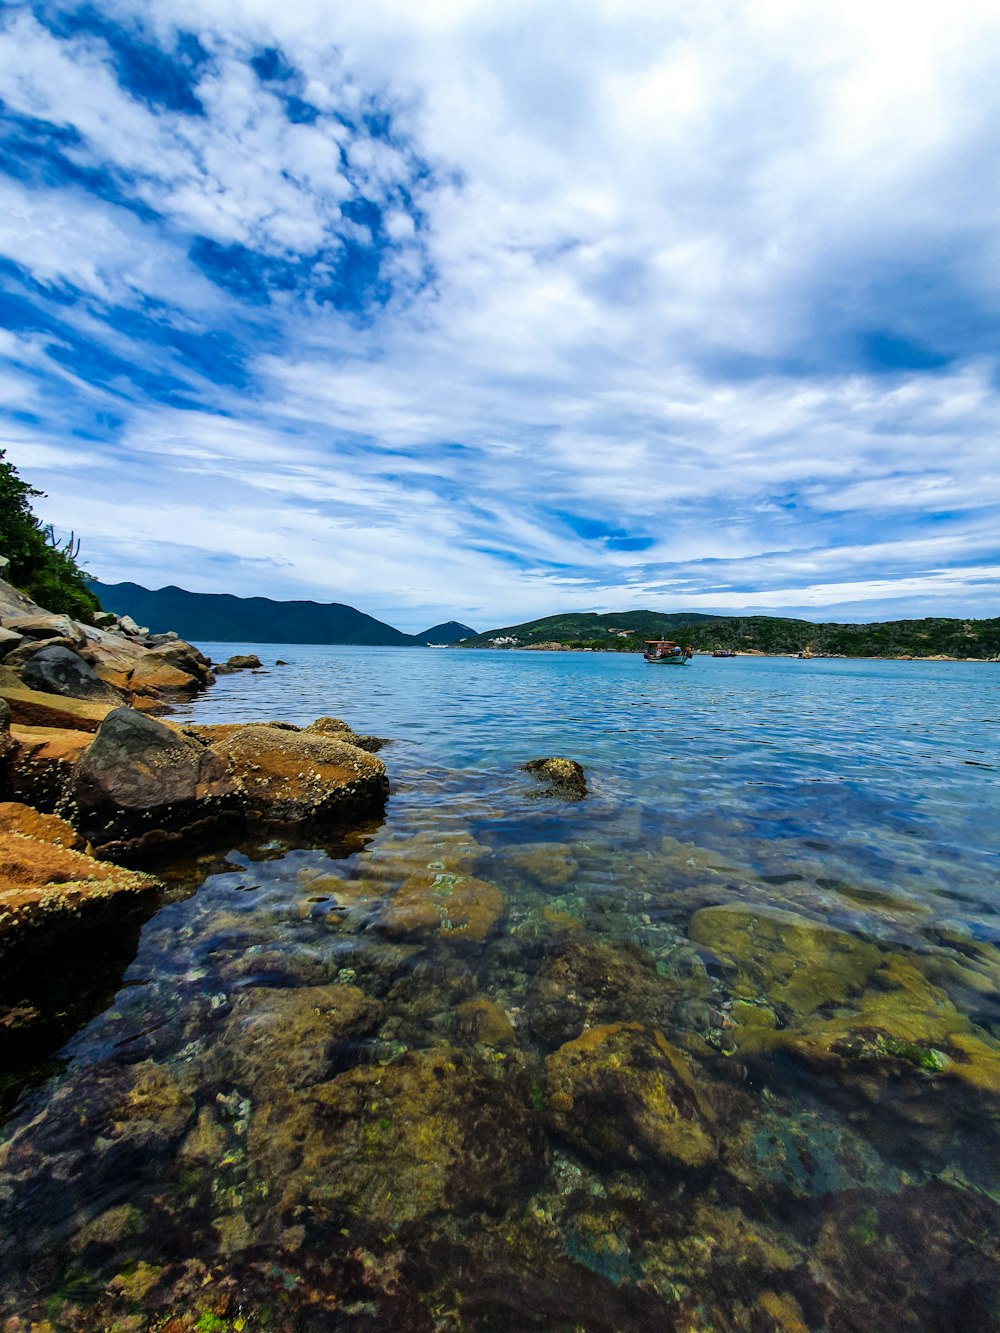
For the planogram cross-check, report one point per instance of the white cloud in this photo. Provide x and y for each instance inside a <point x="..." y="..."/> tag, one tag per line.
<point x="654" y="242"/>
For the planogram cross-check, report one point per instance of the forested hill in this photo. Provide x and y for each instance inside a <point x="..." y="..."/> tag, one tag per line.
<point x="933" y="636"/>
<point x="221" y="618"/>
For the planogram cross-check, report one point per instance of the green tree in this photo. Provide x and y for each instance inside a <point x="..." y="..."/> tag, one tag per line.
<point x="39" y="566"/>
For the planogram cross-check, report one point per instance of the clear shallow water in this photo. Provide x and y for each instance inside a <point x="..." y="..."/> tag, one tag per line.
<point x="338" y="1087"/>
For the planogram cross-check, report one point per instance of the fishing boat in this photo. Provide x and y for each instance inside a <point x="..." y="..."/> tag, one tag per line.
<point x="664" y="652"/>
<point x="723" y="652"/>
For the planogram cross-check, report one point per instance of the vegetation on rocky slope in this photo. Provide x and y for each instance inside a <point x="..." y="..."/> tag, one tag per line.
<point x="39" y="565"/>
<point x="625" y="632"/>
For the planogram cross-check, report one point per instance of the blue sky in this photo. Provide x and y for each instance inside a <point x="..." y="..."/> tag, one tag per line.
<point x="488" y="309"/>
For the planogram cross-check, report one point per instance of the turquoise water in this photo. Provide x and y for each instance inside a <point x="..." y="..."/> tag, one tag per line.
<point x="715" y="1047"/>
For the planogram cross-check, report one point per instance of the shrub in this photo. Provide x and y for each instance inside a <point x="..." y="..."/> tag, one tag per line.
<point x="39" y="566"/>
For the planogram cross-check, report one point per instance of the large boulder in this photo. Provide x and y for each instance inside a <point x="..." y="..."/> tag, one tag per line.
<point x="291" y="776"/>
<point x="57" y="670"/>
<point x="141" y="781"/>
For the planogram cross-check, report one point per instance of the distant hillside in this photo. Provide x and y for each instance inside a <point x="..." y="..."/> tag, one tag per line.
<point x="446" y="633"/>
<point x="221" y="618"/>
<point x="933" y="636"/>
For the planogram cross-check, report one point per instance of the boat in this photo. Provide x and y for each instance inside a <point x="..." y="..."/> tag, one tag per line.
<point x="723" y="652"/>
<point x="664" y="652"/>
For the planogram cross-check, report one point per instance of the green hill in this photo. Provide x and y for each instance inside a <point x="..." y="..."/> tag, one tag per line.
<point x="446" y="633"/>
<point x="625" y="632"/>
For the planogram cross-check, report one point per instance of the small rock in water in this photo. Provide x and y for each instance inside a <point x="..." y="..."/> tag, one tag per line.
<point x="243" y="662"/>
<point x="564" y="776"/>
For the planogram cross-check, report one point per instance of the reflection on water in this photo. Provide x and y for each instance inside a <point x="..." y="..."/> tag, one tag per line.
<point x="714" y="1048"/>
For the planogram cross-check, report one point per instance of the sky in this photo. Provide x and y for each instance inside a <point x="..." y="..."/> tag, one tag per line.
<point x="487" y="310"/>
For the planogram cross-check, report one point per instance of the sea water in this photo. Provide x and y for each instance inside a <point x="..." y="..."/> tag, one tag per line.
<point x="713" y="1047"/>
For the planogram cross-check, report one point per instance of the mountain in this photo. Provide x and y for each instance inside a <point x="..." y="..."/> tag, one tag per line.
<point x="930" y="637"/>
<point x="222" y="618"/>
<point x="446" y="633"/>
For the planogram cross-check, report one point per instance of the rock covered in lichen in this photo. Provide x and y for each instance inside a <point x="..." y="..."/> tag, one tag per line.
<point x="293" y="776"/>
<point x="622" y="1094"/>
<point x="564" y="777"/>
<point x="48" y="891"/>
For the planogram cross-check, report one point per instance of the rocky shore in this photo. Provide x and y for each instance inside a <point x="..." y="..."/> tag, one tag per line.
<point x="94" y="784"/>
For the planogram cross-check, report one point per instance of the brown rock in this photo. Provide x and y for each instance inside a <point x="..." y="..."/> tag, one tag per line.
<point x="9" y="640"/>
<point x="291" y="776"/>
<point x="46" y="890"/>
<point x="41" y="763"/>
<point x="18" y="818"/>
<point x="46" y="627"/>
<point x="32" y="708"/>
<point x="152" y="675"/>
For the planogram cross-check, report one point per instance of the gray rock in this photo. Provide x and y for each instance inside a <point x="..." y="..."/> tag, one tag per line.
<point x="128" y="626"/>
<point x="105" y="620"/>
<point x="27" y="648"/>
<point x="59" y="670"/>
<point x="46" y="627"/>
<point x="139" y="777"/>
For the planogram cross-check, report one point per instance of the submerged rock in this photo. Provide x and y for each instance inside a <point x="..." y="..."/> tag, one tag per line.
<point x="459" y="906"/>
<point x="287" y="1038"/>
<point x="583" y="982"/>
<point x="785" y="957"/>
<point x="551" y="864"/>
<point x="622" y="1094"/>
<point x="841" y="1005"/>
<point x="429" y="1134"/>
<point x="565" y="777"/>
